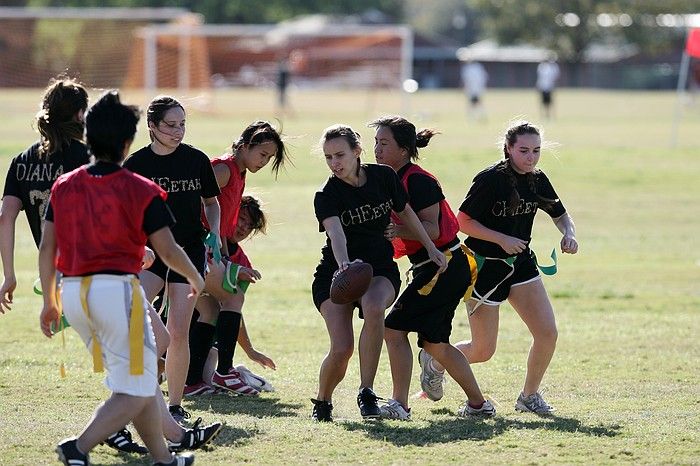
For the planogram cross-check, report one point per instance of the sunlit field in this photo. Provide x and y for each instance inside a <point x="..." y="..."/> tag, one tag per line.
<point x="625" y="378"/>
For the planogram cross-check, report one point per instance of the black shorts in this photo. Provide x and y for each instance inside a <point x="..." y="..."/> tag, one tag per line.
<point x="430" y="312"/>
<point x="196" y="253"/>
<point x="546" y="97"/>
<point x="321" y="286"/>
<point x="474" y="99"/>
<point x="493" y="274"/>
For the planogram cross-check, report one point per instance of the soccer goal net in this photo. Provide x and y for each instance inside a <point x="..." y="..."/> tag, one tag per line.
<point x="171" y="48"/>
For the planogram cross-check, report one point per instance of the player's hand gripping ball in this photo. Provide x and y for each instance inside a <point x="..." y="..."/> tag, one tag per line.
<point x="350" y="284"/>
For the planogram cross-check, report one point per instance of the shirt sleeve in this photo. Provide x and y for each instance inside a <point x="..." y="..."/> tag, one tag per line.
<point x="480" y="197"/>
<point x="210" y="188"/>
<point x="423" y="191"/>
<point x="12" y="187"/>
<point x="324" y="207"/>
<point x="398" y="194"/>
<point x="156" y="216"/>
<point x="545" y="189"/>
<point x="48" y="216"/>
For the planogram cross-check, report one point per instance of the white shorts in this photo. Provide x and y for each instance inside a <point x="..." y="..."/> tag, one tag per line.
<point x="109" y="302"/>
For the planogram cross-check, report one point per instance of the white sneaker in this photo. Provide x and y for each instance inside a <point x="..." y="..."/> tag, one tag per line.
<point x="254" y="380"/>
<point x="486" y="410"/>
<point x="395" y="410"/>
<point x="431" y="381"/>
<point x="533" y="404"/>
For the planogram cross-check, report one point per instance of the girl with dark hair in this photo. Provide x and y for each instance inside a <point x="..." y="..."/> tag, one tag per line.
<point x="60" y="149"/>
<point x="185" y="173"/>
<point x="497" y="214"/>
<point x="353" y="208"/>
<point x="251" y="221"/>
<point x="101" y="248"/>
<point x="427" y="305"/>
<point x="258" y="145"/>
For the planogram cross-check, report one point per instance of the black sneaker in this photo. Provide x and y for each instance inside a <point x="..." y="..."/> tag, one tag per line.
<point x="196" y="437"/>
<point x="123" y="441"/>
<point x="323" y="411"/>
<point x="367" y="401"/>
<point x="69" y="454"/>
<point x="186" y="459"/>
<point x="179" y="414"/>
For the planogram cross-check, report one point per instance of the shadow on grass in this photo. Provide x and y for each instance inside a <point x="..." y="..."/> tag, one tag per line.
<point x="228" y="436"/>
<point x="265" y="406"/>
<point x="443" y="431"/>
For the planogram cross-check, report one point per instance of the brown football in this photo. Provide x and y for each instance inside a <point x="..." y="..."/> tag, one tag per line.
<point x="349" y="285"/>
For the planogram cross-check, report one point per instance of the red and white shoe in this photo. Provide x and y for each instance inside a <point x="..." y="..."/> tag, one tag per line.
<point x="234" y="383"/>
<point x="199" y="388"/>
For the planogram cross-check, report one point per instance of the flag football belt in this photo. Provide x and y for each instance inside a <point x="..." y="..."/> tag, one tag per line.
<point x="428" y="287"/>
<point x="510" y="261"/>
<point x="230" y="282"/>
<point x="136" y="328"/>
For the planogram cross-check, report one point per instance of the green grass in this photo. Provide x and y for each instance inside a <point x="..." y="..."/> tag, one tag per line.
<point x="625" y="376"/>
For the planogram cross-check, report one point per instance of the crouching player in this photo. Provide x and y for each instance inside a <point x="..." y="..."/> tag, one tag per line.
<point x="239" y="274"/>
<point x="101" y="246"/>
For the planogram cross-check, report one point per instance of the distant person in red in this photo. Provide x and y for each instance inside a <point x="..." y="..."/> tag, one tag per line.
<point x="102" y="246"/>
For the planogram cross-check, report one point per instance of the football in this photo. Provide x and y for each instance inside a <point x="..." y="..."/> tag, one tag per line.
<point x="349" y="285"/>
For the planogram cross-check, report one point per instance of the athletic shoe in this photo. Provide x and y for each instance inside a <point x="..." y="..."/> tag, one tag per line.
<point x="232" y="382"/>
<point x="323" y="411"/>
<point x="395" y="410"/>
<point x="533" y="404"/>
<point x="367" y="402"/>
<point x="431" y="381"/>
<point x="196" y="389"/>
<point x="123" y="441"/>
<point x="254" y="380"/>
<point x="196" y="437"/>
<point x="486" y="410"/>
<point x="186" y="459"/>
<point x="179" y="414"/>
<point x="69" y="454"/>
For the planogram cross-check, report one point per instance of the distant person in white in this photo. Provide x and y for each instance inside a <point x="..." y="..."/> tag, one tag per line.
<point x="474" y="78"/>
<point x="547" y="75"/>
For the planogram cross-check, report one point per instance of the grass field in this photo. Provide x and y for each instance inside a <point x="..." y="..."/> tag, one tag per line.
<point x="626" y="375"/>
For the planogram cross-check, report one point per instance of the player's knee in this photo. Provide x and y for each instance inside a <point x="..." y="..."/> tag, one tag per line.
<point x="481" y="352"/>
<point x="394" y="337"/>
<point x="341" y="351"/>
<point x="547" y="335"/>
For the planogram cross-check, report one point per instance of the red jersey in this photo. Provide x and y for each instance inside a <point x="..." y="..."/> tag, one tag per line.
<point x="239" y="257"/>
<point x="99" y="221"/>
<point x="230" y="197"/>
<point x="449" y="226"/>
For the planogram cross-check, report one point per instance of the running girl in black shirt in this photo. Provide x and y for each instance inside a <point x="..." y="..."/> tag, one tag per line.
<point x="427" y="305"/>
<point x="185" y="173"/>
<point x="497" y="214"/>
<point x="353" y="208"/>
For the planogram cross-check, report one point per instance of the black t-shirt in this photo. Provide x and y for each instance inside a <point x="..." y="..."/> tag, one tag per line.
<point x="423" y="191"/>
<point x="30" y="178"/>
<point x="364" y="212"/>
<point x="187" y="176"/>
<point x="487" y="202"/>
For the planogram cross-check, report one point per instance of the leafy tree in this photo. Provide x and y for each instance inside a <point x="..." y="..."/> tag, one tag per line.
<point x="570" y="26"/>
